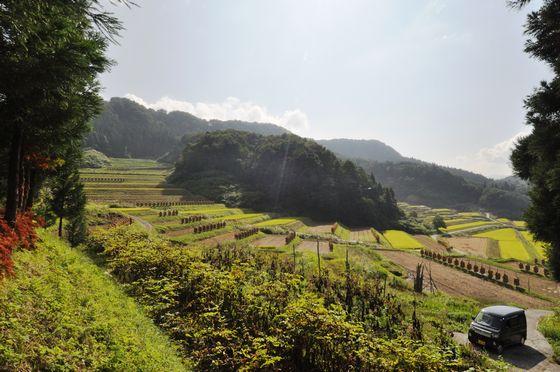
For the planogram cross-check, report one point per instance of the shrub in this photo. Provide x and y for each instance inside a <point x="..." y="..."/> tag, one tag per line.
<point x="21" y="236"/>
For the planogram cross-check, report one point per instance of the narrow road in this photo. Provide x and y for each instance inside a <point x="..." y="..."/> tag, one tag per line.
<point x="535" y="355"/>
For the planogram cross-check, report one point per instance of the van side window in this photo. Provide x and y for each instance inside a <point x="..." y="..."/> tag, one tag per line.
<point x="514" y="322"/>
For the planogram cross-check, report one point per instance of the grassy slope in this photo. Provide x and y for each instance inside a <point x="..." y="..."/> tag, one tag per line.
<point x="550" y="327"/>
<point x="61" y="312"/>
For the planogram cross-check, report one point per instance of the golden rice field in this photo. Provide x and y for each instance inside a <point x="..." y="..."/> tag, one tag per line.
<point x="510" y="245"/>
<point x="402" y="240"/>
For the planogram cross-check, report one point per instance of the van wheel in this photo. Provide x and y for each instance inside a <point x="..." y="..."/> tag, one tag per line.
<point x="499" y="348"/>
<point x="522" y="341"/>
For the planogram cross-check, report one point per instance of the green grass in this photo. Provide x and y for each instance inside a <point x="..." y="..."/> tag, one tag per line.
<point x="510" y="246"/>
<point x="401" y="240"/>
<point x="469" y="225"/>
<point x="61" y="312"/>
<point x="539" y="246"/>
<point x="550" y="328"/>
<point x="342" y="232"/>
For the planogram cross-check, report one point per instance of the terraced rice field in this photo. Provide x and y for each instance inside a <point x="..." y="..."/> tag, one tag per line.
<point x="362" y="235"/>
<point x="402" y="240"/>
<point x="510" y="245"/>
<point x="475" y="246"/>
<point x="128" y="181"/>
<point x="467" y="226"/>
<point x="277" y="222"/>
<point x="539" y="246"/>
<point x="275" y="241"/>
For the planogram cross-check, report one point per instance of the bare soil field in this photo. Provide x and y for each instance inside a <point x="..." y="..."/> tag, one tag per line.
<point x="363" y="235"/>
<point x="311" y="245"/>
<point x="215" y="240"/>
<point x="319" y="229"/>
<point x="470" y="246"/>
<point x="456" y="282"/>
<point x="271" y="241"/>
<point x="430" y="243"/>
<point x="174" y="233"/>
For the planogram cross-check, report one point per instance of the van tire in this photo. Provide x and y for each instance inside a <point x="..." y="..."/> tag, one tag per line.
<point x="499" y="348"/>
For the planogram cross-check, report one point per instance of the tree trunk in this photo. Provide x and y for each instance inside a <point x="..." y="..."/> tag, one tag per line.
<point x="13" y="177"/>
<point x="25" y="184"/>
<point x="33" y="189"/>
<point x="60" y="228"/>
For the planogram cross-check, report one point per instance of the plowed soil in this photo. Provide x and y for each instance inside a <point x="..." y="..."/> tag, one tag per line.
<point x="271" y="241"/>
<point x="430" y="243"/>
<point x="470" y="246"/>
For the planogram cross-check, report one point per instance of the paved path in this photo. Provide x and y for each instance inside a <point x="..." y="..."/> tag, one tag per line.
<point x="535" y="355"/>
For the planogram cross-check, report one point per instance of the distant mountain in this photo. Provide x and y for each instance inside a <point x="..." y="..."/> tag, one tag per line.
<point x="362" y="149"/>
<point x="128" y="129"/>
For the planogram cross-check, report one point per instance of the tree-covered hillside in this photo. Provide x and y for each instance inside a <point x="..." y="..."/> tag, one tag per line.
<point x="284" y="173"/>
<point x="419" y="182"/>
<point x="362" y="149"/>
<point x="128" y="129"/>
<point x="422" y="183"/>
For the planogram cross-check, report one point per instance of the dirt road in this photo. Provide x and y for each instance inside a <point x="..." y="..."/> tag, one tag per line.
<point x="535" y="355"/>
<point x="456" y="282"/>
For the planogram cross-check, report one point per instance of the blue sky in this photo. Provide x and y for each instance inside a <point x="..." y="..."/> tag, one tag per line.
<point x="442" y="81"/>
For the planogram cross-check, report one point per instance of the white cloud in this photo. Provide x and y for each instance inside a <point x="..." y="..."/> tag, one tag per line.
<point x="491" y="161"/>
<point x="231" y="109"/>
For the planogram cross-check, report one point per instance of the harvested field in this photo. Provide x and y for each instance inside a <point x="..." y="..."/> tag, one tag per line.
<point x="430" y="243"/>
<point x="311" y="245"/>
<point x="456" y="282"/>
<point x="218" y="239"/>
<point x="180" y="232"/>
<point x="320" y="229"/>
<point x="271" y="241"/>
<point x="472" y="246"/>
<point x="362" y="235"/>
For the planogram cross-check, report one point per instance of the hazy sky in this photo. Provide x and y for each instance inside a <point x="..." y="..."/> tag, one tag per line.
<point x="441" y="81"/>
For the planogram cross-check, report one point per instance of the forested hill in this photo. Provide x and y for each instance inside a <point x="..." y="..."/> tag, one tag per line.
<point x="419" y="182"/>
<point x="362" y="149"/>
<point x="285" y="173"/>
<point x="429" y="184"/>
<point x="128" y="129"/>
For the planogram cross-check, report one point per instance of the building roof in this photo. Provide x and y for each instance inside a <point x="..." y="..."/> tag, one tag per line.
<point x="502" y="310"/>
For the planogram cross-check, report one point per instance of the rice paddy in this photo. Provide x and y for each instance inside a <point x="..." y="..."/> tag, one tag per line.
<point x="510" y="246"/>
<point x="401" y="240"/>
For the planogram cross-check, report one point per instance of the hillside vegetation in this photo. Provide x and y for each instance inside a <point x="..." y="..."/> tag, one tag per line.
<point x="61" y="312"/>
<point x="430" y="184"/>
<point x="235" y="307"/>
<point x="283" y="173"/>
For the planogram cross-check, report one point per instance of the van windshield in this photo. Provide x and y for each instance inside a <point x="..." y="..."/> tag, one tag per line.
<point x="489" y="320"/>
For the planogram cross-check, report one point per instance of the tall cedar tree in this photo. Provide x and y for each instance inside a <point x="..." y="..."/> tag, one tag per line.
<point x="536" y="157"/>
<point x="67" y="198"/>
<point x="52" y="52"/>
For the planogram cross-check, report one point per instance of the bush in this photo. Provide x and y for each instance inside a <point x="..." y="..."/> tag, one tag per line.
<point x="234" y="307"/>
<point x="21" y="236"/>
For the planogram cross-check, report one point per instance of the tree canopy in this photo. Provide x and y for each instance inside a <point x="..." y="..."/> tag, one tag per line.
<point x="536" y="157"/>
<point x="285" y="173"/>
